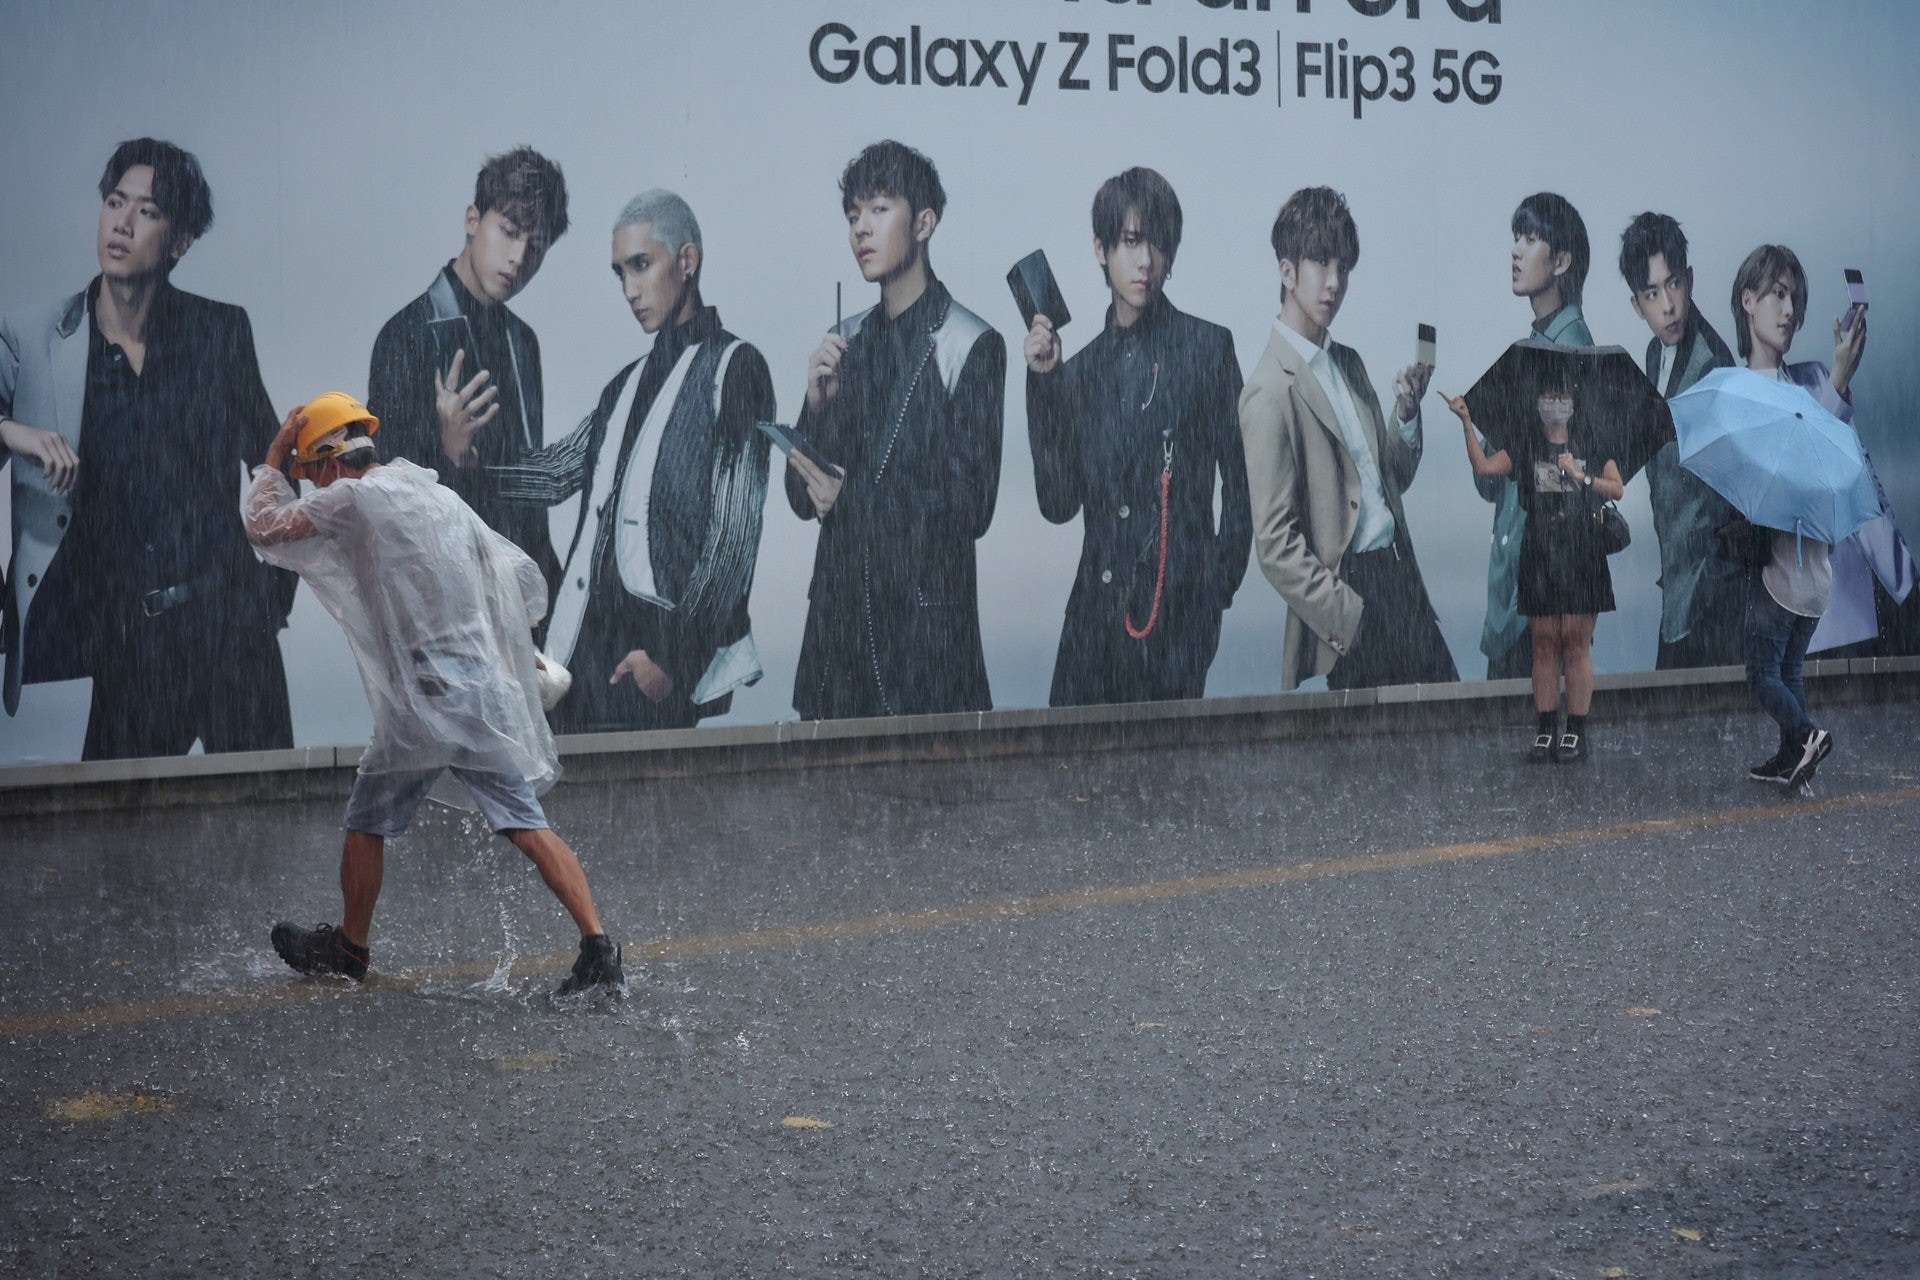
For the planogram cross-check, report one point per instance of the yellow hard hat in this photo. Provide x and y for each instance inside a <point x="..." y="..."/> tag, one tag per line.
<point x="330" y="415"/>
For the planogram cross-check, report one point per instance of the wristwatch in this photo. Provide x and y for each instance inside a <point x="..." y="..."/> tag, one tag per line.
<point x="1586" y="482"/>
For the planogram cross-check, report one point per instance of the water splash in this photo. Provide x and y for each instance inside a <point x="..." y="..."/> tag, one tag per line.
<point x="475" y="830"/>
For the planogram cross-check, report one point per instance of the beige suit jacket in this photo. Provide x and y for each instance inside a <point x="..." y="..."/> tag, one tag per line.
<point x="1305" y="493"/>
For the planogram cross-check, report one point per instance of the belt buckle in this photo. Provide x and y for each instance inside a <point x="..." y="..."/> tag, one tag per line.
<point x="155" y="603"/>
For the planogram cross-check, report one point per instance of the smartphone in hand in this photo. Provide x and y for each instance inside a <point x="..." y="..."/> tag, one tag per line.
<point x="1423" y="346"/>
<point x="790" y="441"/>
<point x="451" y="336"/>
<point x="1856" y="299"/>
<point x="1036" y="292"/>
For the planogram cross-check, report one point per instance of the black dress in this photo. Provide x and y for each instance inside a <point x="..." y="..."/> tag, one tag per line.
<point x="1563" y="562"/>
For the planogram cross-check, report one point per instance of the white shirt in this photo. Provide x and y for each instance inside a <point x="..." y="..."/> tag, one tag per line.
<point x="1799" y="573"/>
<point x="1374" y="531"/>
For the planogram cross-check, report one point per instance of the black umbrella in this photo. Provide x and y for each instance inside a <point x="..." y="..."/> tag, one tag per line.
<point x="1617" y="411"/>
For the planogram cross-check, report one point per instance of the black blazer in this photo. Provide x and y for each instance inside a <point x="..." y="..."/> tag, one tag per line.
<point x="400" y="393"/>
<point x="893" y="622"/>
<point x="227" y="422"/>
<point x="1105" y="466"/>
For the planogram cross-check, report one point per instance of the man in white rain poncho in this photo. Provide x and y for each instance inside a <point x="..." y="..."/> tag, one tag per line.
<point x="437" y="608"/>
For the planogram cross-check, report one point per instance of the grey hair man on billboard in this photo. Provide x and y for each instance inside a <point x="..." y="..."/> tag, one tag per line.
<point x="651" y="610"/>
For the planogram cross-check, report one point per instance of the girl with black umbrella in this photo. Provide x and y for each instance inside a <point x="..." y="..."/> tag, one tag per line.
<point x="1564" y="582"/>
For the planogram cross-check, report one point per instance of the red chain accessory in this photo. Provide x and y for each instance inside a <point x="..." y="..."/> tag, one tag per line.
<point x="1160" y="579"/>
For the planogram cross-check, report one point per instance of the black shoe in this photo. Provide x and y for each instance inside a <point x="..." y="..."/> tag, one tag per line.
<point x="1775" y="770"/>
<point x="1542" y="750"/>
<point x="320" y="949"/>
<point x="598" y="968"/>
<point x="1571" y="747"/>
<point x="1815" y="747"/>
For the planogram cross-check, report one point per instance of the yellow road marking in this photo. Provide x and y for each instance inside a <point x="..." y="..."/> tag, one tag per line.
<point x="1004" y="909"/>
<point x="533" y="1060"/>
<point x="107" y="1106"/>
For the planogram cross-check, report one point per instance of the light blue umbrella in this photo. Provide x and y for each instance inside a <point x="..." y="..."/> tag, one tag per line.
<point x="1770" y="449"/>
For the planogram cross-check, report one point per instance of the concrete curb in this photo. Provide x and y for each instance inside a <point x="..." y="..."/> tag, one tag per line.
<point x="327" y="772"/>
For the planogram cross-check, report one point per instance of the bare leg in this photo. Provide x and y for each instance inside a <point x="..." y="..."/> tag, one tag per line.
<point x="562" y="871"/>
<point x="362" y="867"/>
<point x="1576" y="632"/>
<point x="1546" y="664"/>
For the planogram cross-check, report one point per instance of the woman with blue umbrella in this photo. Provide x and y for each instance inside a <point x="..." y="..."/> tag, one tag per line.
<point x="1783" y="452"/>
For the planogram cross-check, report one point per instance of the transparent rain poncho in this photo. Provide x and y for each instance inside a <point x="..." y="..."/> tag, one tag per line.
<point x="437" y="608"/>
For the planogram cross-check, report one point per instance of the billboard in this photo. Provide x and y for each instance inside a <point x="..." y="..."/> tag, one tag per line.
<point x="964" y="565"/>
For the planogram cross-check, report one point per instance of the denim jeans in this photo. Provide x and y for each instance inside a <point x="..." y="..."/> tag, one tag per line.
<point x="1776" y="649"/>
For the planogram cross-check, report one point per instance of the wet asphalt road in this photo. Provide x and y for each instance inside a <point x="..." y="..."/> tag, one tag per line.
<point x="1396" y="1006"/>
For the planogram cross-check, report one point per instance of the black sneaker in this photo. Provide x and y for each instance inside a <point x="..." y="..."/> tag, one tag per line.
<point x="598" y="968"/>
<point x="1776" y="768"/>
<point x="320" y="950"/>
<point x="1815" y="747"/>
